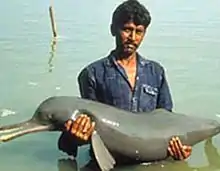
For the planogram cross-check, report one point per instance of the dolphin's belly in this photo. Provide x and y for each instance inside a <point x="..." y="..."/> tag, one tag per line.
<point x="136" y="148"/>
<point x="146" y="138"/>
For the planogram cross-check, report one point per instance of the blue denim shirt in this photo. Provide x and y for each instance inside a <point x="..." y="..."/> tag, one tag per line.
<point x="107" y="82"/>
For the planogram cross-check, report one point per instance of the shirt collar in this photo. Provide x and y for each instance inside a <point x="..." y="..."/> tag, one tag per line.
<point x="111" y="60"/>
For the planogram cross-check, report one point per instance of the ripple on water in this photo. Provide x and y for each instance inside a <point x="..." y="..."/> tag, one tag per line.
<point x="6" y="112"/>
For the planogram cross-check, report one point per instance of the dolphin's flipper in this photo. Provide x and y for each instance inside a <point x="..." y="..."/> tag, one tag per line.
<point x="103" y="157"/>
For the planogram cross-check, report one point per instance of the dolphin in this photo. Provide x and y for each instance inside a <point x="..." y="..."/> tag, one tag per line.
<point x="141" y="137"/>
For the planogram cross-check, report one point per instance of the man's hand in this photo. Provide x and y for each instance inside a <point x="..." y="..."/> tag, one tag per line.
<point x="177" y="150"/>
<point x="82" y="127"/>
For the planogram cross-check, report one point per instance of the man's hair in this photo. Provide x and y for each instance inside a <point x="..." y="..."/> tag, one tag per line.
<point x="131" y="10"/>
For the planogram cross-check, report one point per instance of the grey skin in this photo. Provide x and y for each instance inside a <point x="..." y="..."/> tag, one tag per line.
<point x="142" y="137"/>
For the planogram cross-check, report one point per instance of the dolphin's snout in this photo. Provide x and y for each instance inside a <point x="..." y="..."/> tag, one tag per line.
<point x="10" y="132"/>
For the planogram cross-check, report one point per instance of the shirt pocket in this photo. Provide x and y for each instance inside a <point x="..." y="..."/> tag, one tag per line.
<point x="149" y="95"/>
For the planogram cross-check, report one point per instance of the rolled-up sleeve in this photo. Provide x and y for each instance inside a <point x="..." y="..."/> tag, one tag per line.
<point x="164" y="99"/>
<point x="87" y="84"/>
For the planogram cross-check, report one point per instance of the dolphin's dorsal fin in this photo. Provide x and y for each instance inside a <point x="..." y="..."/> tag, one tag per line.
<point x="103" y="157"/>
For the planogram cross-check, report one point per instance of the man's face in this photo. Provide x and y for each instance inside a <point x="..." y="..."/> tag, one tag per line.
<point x="129" y="37"/>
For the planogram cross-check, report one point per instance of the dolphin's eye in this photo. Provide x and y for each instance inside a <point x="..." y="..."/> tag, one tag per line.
<point x="50" y="116"/>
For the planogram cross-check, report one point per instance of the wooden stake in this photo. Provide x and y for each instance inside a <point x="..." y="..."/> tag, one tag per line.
<point x="53" y="24"/>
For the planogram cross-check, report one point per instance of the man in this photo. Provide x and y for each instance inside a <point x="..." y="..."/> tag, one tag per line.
<point x="124" y="78"/>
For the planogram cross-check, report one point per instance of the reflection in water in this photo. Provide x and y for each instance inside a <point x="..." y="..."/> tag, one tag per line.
<point x="71" y="165"/>
<point x="52" y="53"/>
<point x="212" y="155"/>
<point x="67" y="165"/>
<point x="210" y="151"/>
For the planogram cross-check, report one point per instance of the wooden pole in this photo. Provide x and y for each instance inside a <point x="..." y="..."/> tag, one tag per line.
<point x="53" y="23"/>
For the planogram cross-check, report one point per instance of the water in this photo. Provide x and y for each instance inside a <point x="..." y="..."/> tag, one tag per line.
<point x="184" y="37"/>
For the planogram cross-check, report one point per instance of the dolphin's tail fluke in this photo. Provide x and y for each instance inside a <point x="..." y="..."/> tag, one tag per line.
<point x="10" y="132"/>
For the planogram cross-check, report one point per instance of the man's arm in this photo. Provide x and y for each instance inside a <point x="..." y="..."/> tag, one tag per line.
<point x="80" y="130"/>
<point x="164" y="99"/>
<point x="176" y="149"/>
<point x="87" y="84"/>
